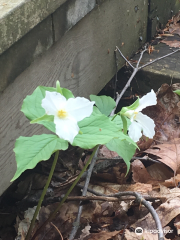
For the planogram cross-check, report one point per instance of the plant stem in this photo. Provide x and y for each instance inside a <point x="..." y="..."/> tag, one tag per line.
<point x="42" y="195"/>
<point x="67" y="194"/>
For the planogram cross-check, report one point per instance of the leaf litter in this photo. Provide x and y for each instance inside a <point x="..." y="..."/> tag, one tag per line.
<point x="172" y="32"/>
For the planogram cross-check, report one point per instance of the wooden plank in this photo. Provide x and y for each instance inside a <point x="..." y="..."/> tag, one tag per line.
<point x="83" y="60"/>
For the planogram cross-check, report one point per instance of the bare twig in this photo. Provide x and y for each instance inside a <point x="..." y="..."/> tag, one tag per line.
<point x="132" y="159"/>
<point x="89" y="172"/>
<point x="111" y="199"/>
<point x="124" y="57"/>
<point x="57" y="230"/>
<point x="157" y="59"/>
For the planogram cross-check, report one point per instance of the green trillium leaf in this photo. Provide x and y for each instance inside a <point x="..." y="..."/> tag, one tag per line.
<point x="48" y="118"/>
<point x="128" y="139"/>
<point x="96" y="129"/>
<point x="122" y="122"/>
<point x="104" y="103"/>
<point x="67" y="93"/>
<point x="30" y="151"/>
<point x="118" y="120"/>
<point x="96" y="111"/>
<point x="177" y="92"/>
<point x="124" y="148"/>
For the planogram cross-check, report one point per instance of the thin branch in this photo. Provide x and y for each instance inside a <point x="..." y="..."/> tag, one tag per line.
<point x="157" y="59"/>
<point x="111" y="199"/>
<point x="124" y="89"/>
<point x="132" y="159"/>
<point x="57" y="230"/>
<point x="141" y="55"/>
<point x="89" y="172"/>
<point x="124" y="57"/>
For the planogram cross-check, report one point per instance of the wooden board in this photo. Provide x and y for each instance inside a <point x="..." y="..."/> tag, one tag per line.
<point x="83" y="60"/>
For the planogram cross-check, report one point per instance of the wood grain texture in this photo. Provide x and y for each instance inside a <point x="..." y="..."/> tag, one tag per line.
<point x="83" y="60"/>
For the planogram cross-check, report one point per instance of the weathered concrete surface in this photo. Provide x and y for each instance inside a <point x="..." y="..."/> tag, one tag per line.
<point x="83" y="60"/>
<point x="18" y="57"/>
<point x="17" y="17"/>
<point x="166" y="70"/>
<point x="160" y="11"/>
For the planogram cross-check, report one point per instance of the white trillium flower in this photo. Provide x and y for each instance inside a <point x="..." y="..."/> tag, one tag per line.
<point x="139" y="121"/>
<point x="67" y="113"/>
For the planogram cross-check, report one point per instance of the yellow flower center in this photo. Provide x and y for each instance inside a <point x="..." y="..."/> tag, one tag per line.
<point x="62" y="113"/>
<point x="135" y="114"/>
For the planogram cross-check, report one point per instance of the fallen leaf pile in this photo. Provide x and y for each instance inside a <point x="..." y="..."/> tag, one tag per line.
<point x="172" y="28"/>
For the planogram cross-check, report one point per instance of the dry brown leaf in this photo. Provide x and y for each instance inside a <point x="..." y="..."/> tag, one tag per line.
<point x="166" y="193"/>
<point x="66" y="217"/>
<point x="150" y="49"/>
<point x="140" y="173"/>
<point x="165" y="35"/>
<point x="104" y="152"/>
<point x="166" y="113"/>
<point x="173" y="43"/>
<point x="144" y="143"/>
<point x="176" y="18"/>
<point x="166" y="212"/>
<point x="102" y="235"/>
<point x="169" y="154"/>
<point x="140" y="188"/>
<point x="110" y="188"/>
<point x="172" y="182"/>
<point x="175" y="29"/>
<point x="115" y="174"/>
<point x="160" y="171"/>
<point x="85" y="233"/>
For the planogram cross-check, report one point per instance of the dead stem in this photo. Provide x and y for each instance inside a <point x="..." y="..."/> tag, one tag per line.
<point x="57" y="230"/>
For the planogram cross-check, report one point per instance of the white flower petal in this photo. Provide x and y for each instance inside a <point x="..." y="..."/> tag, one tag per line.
<point x="66" y="128"/>
<point x="147" y="124"/>
<point x="147" y="100"/>
<point x="134" y="131"/>
<point x="79" y="108"/>
<point x="52" y="102"/>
